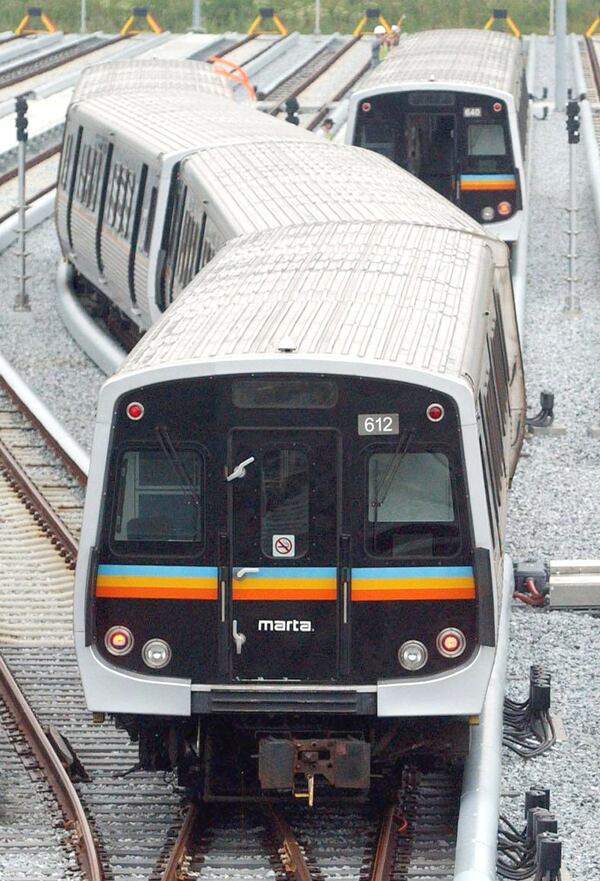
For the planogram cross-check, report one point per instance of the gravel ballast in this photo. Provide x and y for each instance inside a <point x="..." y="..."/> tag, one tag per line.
<point x="554" y="501"/>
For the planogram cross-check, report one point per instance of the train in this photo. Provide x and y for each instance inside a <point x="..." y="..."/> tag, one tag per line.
<point x="452" y="107"/>
<point x="291" y="558"/>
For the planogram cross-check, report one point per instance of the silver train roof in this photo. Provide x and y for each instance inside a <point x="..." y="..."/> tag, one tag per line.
<point x="394" y="292"/>
<point x="469" y="57"/>
<point x="157" y="76"/>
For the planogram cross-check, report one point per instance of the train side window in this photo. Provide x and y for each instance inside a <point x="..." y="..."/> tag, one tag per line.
<point x="83" y="172"/>
<point x="66" y="161"/>
<point x="411" y="510"/>
<point x="150" y="220"/>
<point x="159" y="500"/>
<point x="490" y="499"/>
<point x="213" y="241"/>
<point x="285" y="498"/>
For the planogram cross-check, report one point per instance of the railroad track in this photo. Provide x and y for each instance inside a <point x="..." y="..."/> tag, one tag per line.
<point x="413" y="838"/>
<point x="49" y="822"/>
<point x="26" y="68"/>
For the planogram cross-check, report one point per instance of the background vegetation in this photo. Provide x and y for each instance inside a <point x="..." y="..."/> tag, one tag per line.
<point x="336" y="15"/>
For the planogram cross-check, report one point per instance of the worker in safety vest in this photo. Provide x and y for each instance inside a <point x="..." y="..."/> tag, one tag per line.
<point x="379" y="49"/>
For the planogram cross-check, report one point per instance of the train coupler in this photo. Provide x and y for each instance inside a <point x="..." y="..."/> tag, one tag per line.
<point x="282" y="763"/>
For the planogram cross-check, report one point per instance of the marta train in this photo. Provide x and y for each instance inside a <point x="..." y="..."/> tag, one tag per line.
<point x="452" y="107"/>
<point x="291" y="559"/>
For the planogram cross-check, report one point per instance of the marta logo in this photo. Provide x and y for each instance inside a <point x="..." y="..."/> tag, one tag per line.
<point x="286" y="626"/>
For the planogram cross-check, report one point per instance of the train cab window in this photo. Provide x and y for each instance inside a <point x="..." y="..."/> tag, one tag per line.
<point x="379" y="138"/>
<point x="486" y="147"/>
<point x="284" y="498"/>
<point x="411" y="510"/>
<point x="159" y="497"/>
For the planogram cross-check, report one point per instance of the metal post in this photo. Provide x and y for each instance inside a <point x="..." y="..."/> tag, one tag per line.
<point x="560" y="56"/>
<point x="572" y="307"/>
<point x="22" y="298"/>
<point x="317" y="16"/>
<point x="551" y="19"/>
<point x="196" y="16"/>
<point x="83" y="17"/>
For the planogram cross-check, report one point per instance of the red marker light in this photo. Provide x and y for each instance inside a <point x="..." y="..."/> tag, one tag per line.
<point x="504" y="208"/>
<point x="135" y="410"/>
<point x="435" y="412"/>
<point x="451" y="642"/>
<point x="119" y="640"/>
<point x="496" y="106"/>
<point x="365" y="107"/>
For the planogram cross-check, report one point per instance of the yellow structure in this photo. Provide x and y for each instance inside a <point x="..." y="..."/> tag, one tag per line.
<point x="502" y="15"/>
<point x="265" y="14"/>
<point x="144" y="13"/>
<point x="370" y="18"/>
<point x="593" y="27"/>
<point x="24" y="26"/>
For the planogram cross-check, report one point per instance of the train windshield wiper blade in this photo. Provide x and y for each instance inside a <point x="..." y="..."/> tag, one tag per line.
<point x="381" y="492"/>
<point x="186" y="484"/>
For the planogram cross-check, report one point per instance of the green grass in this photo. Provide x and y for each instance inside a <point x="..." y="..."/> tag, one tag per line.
<point x="336" y="15"/>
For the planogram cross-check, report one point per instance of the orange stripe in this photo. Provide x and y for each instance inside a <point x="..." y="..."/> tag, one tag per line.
<point x="157" y="593"/>
<point x="488" y="185"/>
<point x="363" y="594"/>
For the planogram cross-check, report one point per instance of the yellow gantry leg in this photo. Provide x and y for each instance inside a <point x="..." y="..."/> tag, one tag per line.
<point x="593" y="27"/>
<point x="35" y="12"/>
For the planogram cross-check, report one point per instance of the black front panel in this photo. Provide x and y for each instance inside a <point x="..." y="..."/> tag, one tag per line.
<point x="456" y="143"/>
<point x="342" y="531"/>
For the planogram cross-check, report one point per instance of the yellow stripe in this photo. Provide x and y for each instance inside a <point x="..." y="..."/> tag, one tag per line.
<point x="154" y="581"/>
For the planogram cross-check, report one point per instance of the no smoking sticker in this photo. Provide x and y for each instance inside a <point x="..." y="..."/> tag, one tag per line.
<point x="284" y="545"/>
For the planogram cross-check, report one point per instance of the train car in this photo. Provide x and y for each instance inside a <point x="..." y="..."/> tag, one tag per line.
<point x="291" y="556"/>
<point x="451" y="106"/>
<point x="189" y="185"/>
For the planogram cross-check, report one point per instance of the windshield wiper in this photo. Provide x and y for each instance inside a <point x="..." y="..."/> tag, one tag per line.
<point x="170" y="452"/>
<point x="398" y="456"/>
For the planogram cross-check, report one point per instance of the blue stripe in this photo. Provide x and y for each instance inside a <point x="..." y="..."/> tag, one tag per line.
<point x="164" y="571"/>
<point x="487" y="176"/>
<point x="414" y="572"/>
<point x="292" y="572"/>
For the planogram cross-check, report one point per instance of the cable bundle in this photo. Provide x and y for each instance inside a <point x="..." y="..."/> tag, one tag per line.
<point x="536" y="852"/>
<point x="528" y="727"/>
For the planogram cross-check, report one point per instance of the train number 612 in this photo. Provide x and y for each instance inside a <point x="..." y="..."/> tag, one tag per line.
<point x="378" y="423"/>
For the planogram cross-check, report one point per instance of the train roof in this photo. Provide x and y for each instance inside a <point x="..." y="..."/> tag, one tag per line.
<point x="182" y="122"/>
<point x="283" y="183"/>
<point x="152" y="76"/>
<point x="486" y="59"/>
<point x="398" y="293"/>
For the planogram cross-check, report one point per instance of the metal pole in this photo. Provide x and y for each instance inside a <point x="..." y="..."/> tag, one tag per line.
<point x="560" y="56"/>
<point x="551" y="17"/>
<point x="22" y="298"/>
<point x="572" y="307"/>
<point x="317" y="16"/>
<point x="83" y="16"/>
<point x="196" y="17"/>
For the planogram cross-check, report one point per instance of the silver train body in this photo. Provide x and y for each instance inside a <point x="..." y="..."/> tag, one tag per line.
<point x="291" y="556"/>
<point x="452" y="107"/>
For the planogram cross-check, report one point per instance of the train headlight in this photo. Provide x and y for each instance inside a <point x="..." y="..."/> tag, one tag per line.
<point x="487" y="213"/>
<point x="504" y="208"/>
<point x="451" y="642"/>
<point x="119" y="640"/>
<point x="412" y="655"/>
<point x="156" y="654"/>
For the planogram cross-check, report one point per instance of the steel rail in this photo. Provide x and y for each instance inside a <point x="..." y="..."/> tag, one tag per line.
<point x="31" y="163"/>
<point x="77" y="468"/>
<point x="337" y="97"/>
<point x="315" y="76"/>
<point x="37" y="504"/>
<point x="382" y="867"/>
<point x="594" y="62"/>
<point x="61" y="56"/>
<point x="29" y="201"/>
<point x="291" y="856"/>
<point x="64" y="791"/>
<point x="181" y="848"/>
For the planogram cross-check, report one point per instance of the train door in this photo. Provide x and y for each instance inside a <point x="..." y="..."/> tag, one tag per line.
<point x="284" y="516"/>
<point x="430" y="150"/>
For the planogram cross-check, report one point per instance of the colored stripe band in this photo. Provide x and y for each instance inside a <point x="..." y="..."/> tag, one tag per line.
<point x="287" y="583"/>
<point x="413" y="583"/>
<point x="157" y="582"/>
<point x="487" y="182"/>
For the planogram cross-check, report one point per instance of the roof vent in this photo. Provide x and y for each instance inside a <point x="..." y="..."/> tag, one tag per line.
<point x="431" y="77"/>
<point x="287" y="344"/>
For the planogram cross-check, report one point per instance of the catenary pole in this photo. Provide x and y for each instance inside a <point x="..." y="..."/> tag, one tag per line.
<point x="196" y="16"/>
<point x="560" y="56"/>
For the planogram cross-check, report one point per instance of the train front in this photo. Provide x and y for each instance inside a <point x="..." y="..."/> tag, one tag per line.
<point x="282" y="585"/>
